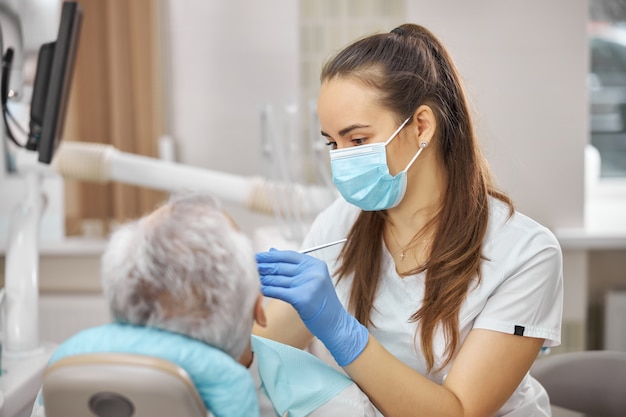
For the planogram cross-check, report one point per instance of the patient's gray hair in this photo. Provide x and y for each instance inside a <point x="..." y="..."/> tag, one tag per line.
<point x="186" y="269"/>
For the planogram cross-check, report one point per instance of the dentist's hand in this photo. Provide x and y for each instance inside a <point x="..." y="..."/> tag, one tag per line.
<point x="304" y="282"/>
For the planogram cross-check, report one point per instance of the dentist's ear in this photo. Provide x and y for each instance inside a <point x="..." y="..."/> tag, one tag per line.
<point x="259" y="312"/>
<point x="425" y="123"/>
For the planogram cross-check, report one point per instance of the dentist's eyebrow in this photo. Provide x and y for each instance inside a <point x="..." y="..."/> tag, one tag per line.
<point x="345" y="131"/>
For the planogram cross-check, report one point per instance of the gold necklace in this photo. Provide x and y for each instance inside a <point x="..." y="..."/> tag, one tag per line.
<point x="402" y="248"/>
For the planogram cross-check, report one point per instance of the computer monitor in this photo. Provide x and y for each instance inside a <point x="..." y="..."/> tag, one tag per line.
<point x="51" y="89"/>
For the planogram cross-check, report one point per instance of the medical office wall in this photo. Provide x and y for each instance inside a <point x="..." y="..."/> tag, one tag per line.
<point x="225" y="60"/>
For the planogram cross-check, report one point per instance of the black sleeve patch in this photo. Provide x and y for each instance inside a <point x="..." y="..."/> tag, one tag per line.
<point x="519" y="331"/>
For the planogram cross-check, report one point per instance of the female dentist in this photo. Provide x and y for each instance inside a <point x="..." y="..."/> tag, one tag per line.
<point x="443" y="294"/>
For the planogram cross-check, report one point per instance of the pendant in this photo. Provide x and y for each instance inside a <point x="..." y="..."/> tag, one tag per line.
<point x="402" y="255"/>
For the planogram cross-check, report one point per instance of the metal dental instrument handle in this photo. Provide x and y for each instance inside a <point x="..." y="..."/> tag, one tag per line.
<point x="325" y="245"/>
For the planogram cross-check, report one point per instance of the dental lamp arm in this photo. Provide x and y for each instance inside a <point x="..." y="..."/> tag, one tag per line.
<point x="103" y="163"/>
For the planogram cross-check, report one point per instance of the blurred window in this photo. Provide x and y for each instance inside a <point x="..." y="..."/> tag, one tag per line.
<point x="607" y="85"/>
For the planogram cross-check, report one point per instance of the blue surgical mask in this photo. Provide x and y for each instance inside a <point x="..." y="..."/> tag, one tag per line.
<point x="361" y="175"/>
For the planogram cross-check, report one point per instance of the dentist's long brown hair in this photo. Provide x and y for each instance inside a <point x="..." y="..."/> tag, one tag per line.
<point x="409" y="67"/>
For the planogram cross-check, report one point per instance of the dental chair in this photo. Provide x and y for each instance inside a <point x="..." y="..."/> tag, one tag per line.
<point x="120" y="370"/>
<point x="589" y="382"/>
<point x="119" y="385"/>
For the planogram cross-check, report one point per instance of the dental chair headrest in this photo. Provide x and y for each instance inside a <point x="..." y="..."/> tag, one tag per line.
<point x="225" y="386"/>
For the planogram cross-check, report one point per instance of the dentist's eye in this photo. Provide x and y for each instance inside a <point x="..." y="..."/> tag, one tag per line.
<point x="332" y="145"/>
<point x="359" y="141"/>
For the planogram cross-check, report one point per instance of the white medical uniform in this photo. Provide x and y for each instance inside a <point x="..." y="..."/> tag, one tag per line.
<point x="351" y="402"/>
<point x="521" y="292"/>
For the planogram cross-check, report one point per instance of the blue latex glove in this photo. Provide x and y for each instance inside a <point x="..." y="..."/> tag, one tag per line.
<point x="304" y="282"/>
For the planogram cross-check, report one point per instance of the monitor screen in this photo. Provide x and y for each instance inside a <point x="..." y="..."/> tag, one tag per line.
<point x="53" y="78"/>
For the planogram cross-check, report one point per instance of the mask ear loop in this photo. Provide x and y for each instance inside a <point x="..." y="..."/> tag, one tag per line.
<point x="397" y="131"/>
<point x="423" y="145"/>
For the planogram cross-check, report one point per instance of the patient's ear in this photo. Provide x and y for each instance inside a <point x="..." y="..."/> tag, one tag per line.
<point x="259" y="312"/>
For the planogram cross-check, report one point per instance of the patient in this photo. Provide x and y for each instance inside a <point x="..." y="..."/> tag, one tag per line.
<point x="186" y="269"/>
